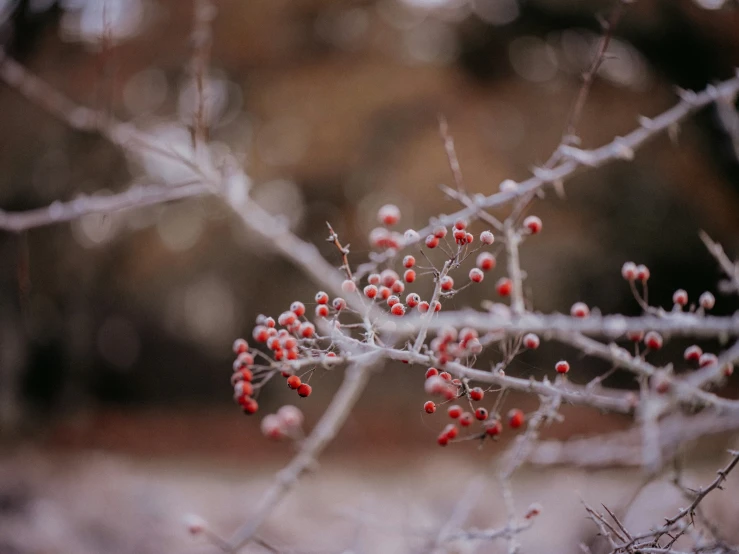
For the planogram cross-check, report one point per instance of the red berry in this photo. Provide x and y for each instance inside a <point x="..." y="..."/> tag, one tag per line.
<point x="440" y="231"/>
<point x="445" y="375"/>
<point x="423" y="307"/>
<point x="348" y="286"/>
<point x="269" y="322"/>
<point x="451" y="431"/>
<point x="293" y="381"/>
<point x="504" y="286"/>
<point x="260" y="333"/>
<point x="429" y="407"/>
<point x="442" y="440"/>
<point x="338" y="303"/>
<point x="243" y="388"/>
<point x="240" y="346"/>
<point x="562" y="366"/>
<point x="250" y="406"/>
<point x="460" y="224"/>
<point x="486" y="237"/>
<point x="693" y="352"/>
<point x="321" y="298"/>
<point x="454" y="411"/>
<point x="384" y="292"/>
<point x="579" y="309"/>
<point x="409" y="276"/>
<point x="412" y="300"/>
<point x="409" y="261"/>
<point x="286" y="318"/>
<point x="298" y="308"/>
<point x="322" y="310"/>
<point x="680" y="297"/>
<point x="707" y="359"/>
<point x="628" y="271"/>
<point x="391" y="301"/>
<point x="436" y="305"/>
<point x="398" y="287"/>
<point x="431" y="372"/>
<point x="466" y="419"/>
<point x="397" y="309"/>
<point x="374" y="279"/>
<point x="432" y="241"/>
<point x="635" y="336"/>
<point x="481" y="414"/>
<point x="243" y="360"/>
<point x="531" y="341"/>
<point x="493" y="427"/>
<point x="370" y="291"/>
<point x="304" y="390"/>
<point x="389" y="214"/>
<point x="653" y="340"/>
<point x="469" y="237"/>
<point x="642" y="273"/>
<point x="533" y="224"/>
<point x="476" y="394"/>
<point x="447" y="283"/>
<point x="460" y="236"/>
<point x="485" y="261"/>
<point x="388" y="277"/>
<point x="476" y="275"/>
<point x="515" y="418"/>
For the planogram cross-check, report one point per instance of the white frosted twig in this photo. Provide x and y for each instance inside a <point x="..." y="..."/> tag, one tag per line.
<point x="727" y="266"/>
<point x="136" y="196"/>
<point x="513" y="239"/>
<point x="623" y="448"/>
<point x="355" y="379"/>
<point x="618" y="149"/>
<point x="668" y="324"/>
<point x="428" y="316"/>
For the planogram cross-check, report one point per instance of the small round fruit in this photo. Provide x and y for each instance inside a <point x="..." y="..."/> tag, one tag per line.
<point x="531" y="341"/>
<point x="653" y="340"/>
<point x="515" y="418"/>
<point x="504" y="286"/>
<point x="293" y="382"/>
<point x="304" y="390"/>
<point x="562" y="366"/>
<point x="481" y="414"/>
<point x="429" y="407"/>
<point x="476" y="394"/>
<point x="533" y="224"/>
<point x="476" y="275"/>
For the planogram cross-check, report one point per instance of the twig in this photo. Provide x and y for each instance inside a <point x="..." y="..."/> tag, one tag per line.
<point x="730" y="268"/>
<point x="668" y="324"/>
<point x="618" y="149"/>
<point x="513" y="239"/>
<point x="137" y="196"/>
<point x="343" y="250"/>
<point x="355" y="379"/>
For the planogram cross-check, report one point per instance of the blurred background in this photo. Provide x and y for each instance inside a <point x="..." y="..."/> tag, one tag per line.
<point x="116" y="415"/>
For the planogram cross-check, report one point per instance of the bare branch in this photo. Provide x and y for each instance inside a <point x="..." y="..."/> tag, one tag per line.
<point x="135" y="197"/>
<point x="730" y="268"/>
<point x="618" y="149"/>
<point x="355" y="379"/>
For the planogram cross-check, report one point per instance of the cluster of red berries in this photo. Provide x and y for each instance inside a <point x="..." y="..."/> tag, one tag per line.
<point x="442" y="384"/>
<point x="242" y="377"/>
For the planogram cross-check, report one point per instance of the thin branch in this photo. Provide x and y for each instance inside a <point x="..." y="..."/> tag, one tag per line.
<point x="578" y="160"/>
<point x="204" y="11"/>
<point x="355" y="380"/>
<point x="669" y="324"/>
<point x="730" y="268"/>
<point x="513" y="239"/>
<point x="137" y="196"/>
